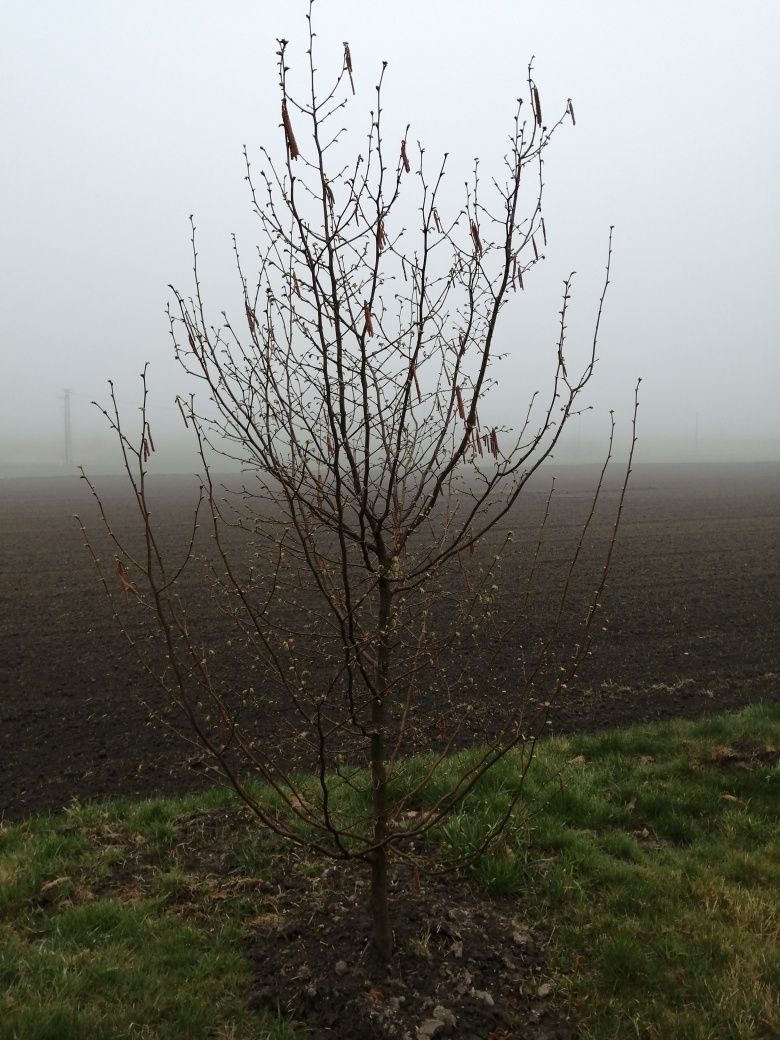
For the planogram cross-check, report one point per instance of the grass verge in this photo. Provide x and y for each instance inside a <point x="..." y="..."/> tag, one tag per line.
<point x="652" y="855"/>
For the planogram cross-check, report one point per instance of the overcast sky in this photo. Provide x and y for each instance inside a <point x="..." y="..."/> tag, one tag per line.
<point x="118" y="120"/>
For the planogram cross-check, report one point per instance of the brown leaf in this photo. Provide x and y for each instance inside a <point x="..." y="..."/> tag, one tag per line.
<point x="124" y="582"/>
<point x="266" y="922"/>
<point x="55" y="883"/>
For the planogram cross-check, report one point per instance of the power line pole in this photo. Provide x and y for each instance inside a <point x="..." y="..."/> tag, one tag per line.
<point x="65" y="397"/>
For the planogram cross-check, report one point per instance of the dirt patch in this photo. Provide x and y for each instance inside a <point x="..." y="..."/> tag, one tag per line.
<point x="463" y="967"/>
<point x="744" y="756"/>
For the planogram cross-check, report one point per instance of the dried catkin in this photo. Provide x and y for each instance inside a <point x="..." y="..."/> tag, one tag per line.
<point x="537" y="107"/>
<point x="223" y="732"/>
<point x="476" y="239"/>
<point x="465" y="573"/>
<point x="348" y="65"/>
<point x="459" y="399"/>
<point x="288" y="132"/>
<point x="404" y="156"/>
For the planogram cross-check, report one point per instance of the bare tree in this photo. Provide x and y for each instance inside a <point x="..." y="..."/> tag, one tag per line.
<point x="352" y="390"/>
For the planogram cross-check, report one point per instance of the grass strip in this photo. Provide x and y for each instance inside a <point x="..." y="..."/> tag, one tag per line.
<point x="652" y="854"/>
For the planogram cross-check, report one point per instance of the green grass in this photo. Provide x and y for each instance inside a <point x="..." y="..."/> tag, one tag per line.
<point x="658" y="862"/>
<point x="90" y="947"/>
<point x="651" y="854"/>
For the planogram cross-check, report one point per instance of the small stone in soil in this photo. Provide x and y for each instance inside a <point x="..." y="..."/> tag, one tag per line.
<point x="484" y="996"/>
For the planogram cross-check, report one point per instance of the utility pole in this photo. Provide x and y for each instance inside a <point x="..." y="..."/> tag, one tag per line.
<point x="65" y="397"/>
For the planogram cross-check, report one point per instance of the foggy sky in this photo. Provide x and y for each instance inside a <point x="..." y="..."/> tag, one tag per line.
<point x="119" y="120"/>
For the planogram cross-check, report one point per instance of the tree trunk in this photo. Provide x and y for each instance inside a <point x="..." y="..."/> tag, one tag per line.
<point x="381" y="932"/>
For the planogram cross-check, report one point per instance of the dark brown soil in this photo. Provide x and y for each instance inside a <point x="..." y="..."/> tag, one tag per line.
<point x="690" y="625"/>
<point x="463" y="966"/>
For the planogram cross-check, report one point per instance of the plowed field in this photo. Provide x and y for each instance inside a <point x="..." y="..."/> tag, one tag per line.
<point x="690" y="622"/>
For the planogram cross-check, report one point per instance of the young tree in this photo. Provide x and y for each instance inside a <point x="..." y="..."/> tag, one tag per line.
<point x="352" y="390"/>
